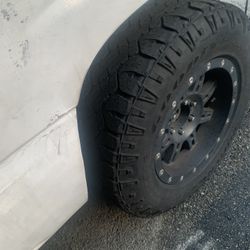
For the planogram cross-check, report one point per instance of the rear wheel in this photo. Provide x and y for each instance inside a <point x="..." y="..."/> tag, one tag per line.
<point x="172" y="106"/>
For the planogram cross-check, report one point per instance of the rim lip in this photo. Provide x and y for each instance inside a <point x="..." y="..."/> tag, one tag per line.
<point x="221" y="62"/>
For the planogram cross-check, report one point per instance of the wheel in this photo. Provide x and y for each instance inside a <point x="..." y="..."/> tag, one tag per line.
<point x="170" y="106"/>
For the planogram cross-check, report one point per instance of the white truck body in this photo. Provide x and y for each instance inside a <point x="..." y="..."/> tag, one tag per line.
<point x="46" y="49"/>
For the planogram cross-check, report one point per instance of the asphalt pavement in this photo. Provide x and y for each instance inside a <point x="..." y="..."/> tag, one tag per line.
<point x="215" y="217"/>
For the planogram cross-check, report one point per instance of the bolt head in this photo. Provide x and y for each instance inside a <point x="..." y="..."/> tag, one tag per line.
<point x="207" y="156"/>
<point x="227" y="121"/>
<point x="209" y="66"/>
<point x="170" y="179"/>
<point x="182" y="178"/>
<point x="222" y="62"/>
<point x="235" y="84"/>
<point x="218" y="140"/>
<point x="232" y="70"/>
<point x="158" y="156"/>
<point x="174" y="104"/>
<point x="161" y="172"/>
<point x="191" y="80"/>
<point x="186" y="102"/>
<point x="233" y="102"/>
<point x="194" y="170"/>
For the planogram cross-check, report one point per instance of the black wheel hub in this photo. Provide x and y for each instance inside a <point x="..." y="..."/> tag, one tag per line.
<point x="197" y="125"/>
<point x="186" y="119"/>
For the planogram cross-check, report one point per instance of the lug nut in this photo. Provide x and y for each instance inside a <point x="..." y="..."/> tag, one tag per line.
<point x="172" y="131"/>
<point x="181" y="132"/>
<point x="194" y="104"/>
<point x="191" y="118"/>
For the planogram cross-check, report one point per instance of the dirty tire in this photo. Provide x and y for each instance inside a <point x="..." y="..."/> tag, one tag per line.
<point x="147" y="65"/>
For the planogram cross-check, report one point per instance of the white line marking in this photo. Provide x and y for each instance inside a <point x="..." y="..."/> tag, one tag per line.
<point x="191" y="240"/>
<point x="208" y="245"/>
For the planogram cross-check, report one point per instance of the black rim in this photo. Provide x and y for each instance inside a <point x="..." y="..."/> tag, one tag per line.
<point x="198" y="122"/>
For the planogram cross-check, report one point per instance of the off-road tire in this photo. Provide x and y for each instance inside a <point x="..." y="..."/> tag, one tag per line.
<point x="131" y="87"/>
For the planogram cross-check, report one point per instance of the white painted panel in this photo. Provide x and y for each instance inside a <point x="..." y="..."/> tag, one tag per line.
<point x="46" y="48"/>
<point x="41" y="186"/>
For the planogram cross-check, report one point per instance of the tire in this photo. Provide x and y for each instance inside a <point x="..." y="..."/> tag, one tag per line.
<point x="155" y="65"/>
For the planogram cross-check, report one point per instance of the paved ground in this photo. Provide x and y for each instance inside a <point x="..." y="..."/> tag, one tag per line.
<point x="217" y="217"/>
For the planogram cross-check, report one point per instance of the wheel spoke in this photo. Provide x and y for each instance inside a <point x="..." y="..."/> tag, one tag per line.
<point x="191" y="140"/>
<point x="175" y="152"/>
<point x="208" y="91"/>
<point x="199" y="84"/>
<point x="166" y="142"/>
<point x="207" y="115"/>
